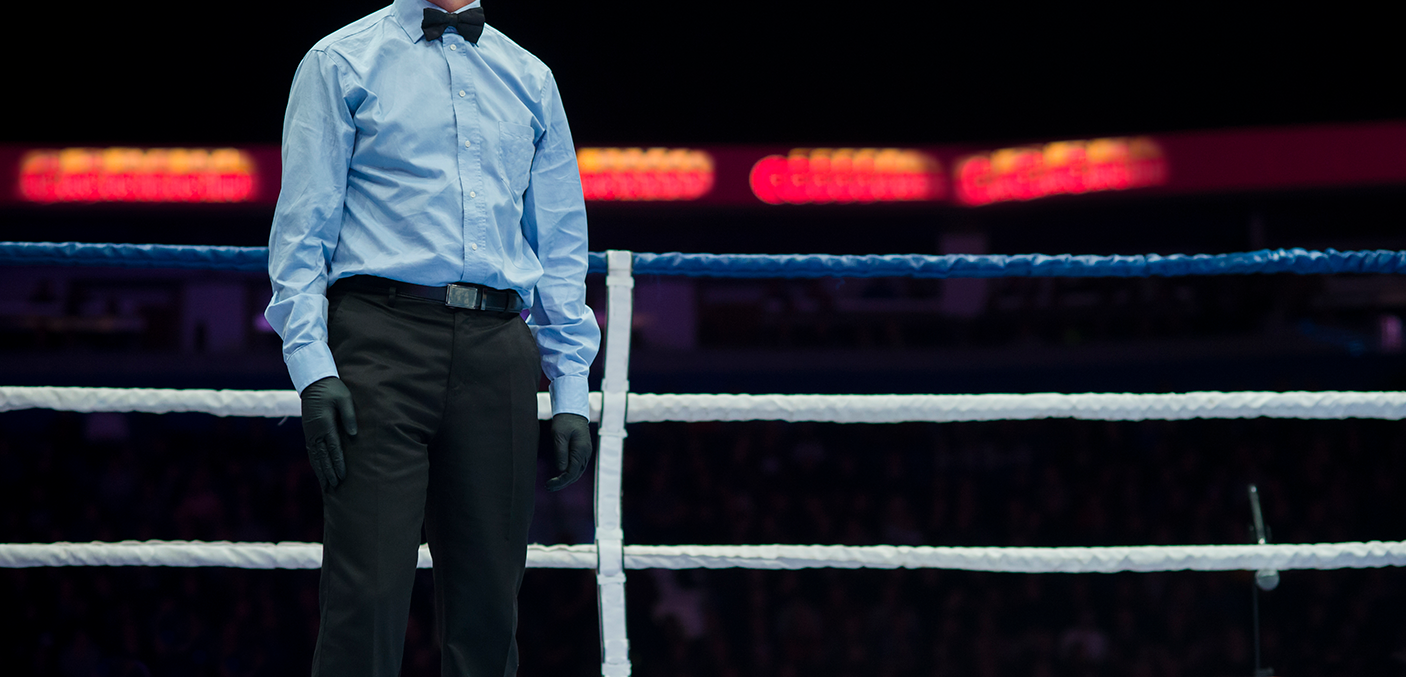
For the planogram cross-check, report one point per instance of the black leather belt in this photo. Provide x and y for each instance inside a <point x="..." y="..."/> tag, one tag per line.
<point x="457" y="295"/>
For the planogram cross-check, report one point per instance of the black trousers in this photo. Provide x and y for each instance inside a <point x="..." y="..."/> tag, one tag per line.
<point x="446" y="406"/>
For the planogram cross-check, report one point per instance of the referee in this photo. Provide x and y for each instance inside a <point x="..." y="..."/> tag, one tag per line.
<point x="430" y="196"/>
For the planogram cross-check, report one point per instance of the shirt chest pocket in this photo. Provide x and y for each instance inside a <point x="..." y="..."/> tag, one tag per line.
<point x="516" y="149"/>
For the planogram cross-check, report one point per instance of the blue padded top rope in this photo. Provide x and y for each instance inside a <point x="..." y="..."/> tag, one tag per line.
<point x="1299" y="261"/>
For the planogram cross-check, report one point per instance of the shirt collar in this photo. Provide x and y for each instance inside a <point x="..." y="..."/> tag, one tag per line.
<point x="409" y="13"/>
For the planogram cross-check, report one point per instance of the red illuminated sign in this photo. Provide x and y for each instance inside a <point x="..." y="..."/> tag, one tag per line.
<point x="636" y="174"/>
<point x="137" y="175"/>
<point x="1183" y="163"/>
<point x="1060" y="168"/>
<point x="825" y="175"/>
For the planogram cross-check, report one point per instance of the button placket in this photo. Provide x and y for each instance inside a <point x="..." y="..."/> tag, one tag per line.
<point x="467" y="119"/>
<point x="464" y="124"/>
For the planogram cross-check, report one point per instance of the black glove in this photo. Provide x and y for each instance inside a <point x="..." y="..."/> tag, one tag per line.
<point x="324" y="402"/>
<point x="572" y="436"/>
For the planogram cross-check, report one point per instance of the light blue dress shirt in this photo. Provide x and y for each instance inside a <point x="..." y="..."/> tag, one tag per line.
<point x="430" y="162"/>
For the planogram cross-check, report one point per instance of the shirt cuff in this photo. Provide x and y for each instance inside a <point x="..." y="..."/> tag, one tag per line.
<point x="311" y="363"/>
<point x="570" y="396"/>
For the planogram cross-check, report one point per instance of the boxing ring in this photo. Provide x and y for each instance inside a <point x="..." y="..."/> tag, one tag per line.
<point x="616" y="406"/>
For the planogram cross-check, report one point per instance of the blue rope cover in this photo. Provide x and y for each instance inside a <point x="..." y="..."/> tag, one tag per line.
<point x="1300" y="261"/>
<point x="198" y="257"/>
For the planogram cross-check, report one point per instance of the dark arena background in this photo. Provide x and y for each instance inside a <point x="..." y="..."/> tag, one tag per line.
<point x="770" y="127"/>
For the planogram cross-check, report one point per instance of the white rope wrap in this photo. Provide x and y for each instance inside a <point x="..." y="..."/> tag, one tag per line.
<point x="1009" y="560"/>
<point x="647" y="408"/>
<point x="260" y="403"/>
<point x="610" y="466"/>
<point x="951" y="408"/>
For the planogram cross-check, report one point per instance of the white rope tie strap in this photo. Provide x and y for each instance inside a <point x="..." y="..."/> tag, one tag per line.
<point x="1145" y="558"/>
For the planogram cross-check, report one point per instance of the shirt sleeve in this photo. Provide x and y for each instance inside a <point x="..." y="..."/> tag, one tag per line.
<point x="318" y="137"/>
<point x="554" y="223"/>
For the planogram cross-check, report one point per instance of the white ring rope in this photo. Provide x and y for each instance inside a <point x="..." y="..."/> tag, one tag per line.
<point x="287" y="555"/>
<point x="1142" y="558"/>
<point x="1145" y="558"/>
<point x="646" y="408"/>
<point x="952" y="408"/>
<point x="831" y="408"/>
<point x="260" y="403"/>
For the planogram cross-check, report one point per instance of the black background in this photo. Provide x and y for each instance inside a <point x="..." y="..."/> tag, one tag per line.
<point x="776" y="71"/>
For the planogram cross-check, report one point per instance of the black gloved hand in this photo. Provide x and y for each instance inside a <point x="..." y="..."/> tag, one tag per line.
<point x="324" y="402"/>
<point x="571" y="435"/>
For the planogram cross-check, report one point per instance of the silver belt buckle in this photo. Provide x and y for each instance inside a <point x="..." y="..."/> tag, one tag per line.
<point x="462" y="296"/>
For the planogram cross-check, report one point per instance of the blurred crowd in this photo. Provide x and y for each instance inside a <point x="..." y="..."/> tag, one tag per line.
<point x="1049" y="483"/>
<point x="46" y="309"/>
<point x="108" y="477"/>
<point x="1029" y="312"/>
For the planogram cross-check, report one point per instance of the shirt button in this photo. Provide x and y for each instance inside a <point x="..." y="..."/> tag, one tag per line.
<point x="453" y="48"/>
<point x="474" y="247"/>
<point x="461" y="92"/>
<point x="473" y="194"/>
<point x="468" y="144"/>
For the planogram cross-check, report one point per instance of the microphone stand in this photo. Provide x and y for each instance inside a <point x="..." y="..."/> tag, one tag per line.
<point x="1265" y="579"/>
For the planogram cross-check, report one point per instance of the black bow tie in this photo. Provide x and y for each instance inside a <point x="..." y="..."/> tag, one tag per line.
<point x="469" y="23"/>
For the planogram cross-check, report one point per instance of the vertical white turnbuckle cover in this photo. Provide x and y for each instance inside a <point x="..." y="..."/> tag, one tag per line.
<point x="615" y="387"/>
